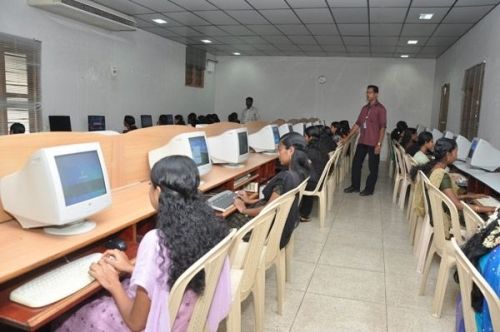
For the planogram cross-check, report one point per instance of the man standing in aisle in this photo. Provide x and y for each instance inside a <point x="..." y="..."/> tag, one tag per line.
<point x="372" y="122"/>
<point x="250" y="113"/>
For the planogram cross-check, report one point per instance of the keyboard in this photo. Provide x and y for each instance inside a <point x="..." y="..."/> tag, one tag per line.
<point x="489" y="201"/>
<point x="222" y="201"/>
<point x="56" y="284"/>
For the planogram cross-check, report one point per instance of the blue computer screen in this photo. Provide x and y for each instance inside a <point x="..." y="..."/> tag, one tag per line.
<point x="81" y="176"/>
<point x="276" y="133"/>
<point x="199" y="150"/>
<point x="473" y="148"/>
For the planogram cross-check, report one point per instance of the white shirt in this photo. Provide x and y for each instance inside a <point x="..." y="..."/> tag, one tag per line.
<point x="249" y="114"/>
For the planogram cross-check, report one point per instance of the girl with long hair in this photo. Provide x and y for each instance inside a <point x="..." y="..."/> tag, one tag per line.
<point x="423" y="148"/>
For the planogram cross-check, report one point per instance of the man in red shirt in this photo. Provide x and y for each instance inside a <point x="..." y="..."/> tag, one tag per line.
<point x="371" y="122"/>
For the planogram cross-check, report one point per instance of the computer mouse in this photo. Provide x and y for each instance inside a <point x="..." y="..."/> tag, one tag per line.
<point x="116" y="243"/>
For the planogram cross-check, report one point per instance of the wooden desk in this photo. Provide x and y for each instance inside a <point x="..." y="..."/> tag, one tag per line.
<point x="28" y="253"/>
<point x="479" y="181"/>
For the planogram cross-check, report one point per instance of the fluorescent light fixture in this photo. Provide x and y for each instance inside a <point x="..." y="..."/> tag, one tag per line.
<point x="206" y="41"/>
<point x="426" y="16"/>
<point x="412" y="42"/>
<point x="405" y="56"/>
<point x="159" y="20"/>
<point x="236" y="53"/>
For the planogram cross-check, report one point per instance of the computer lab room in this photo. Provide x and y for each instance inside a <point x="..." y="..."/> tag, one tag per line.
<point x="249" y="165"/>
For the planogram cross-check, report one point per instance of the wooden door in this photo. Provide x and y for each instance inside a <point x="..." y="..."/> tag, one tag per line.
<point x="443" y="111"/>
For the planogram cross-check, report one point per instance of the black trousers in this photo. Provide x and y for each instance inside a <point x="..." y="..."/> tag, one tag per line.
<point x="373" y="161"/>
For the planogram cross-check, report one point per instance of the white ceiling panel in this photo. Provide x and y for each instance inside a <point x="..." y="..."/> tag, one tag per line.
<point x="353" y="29"/>
<point x="264" y="29"/>
<point x="350" y="15"/>
<point x="418" y="29"/>
<point x="304" y="40"/>
<point x="280" y="16"/>
<point x="314" y="15"/>
<point x="390" y="30"/>
<point x="347" y="3"/>
<point x="323" y="29"/>
<point x="125" y="7"/>
<point x="387" y="15"/>
<point x="232" y="4"/>
<point x="268" y="4"/>
<point x="158" y="5"/>
<point x="414" y="13"/>
<point x="432" y="3"/>
<point x="293" y="29"/>
<point x="187" y="18"/>
<point x="329" y="40"/>
<point x="477" y="2"/>
<point x="216" y="17"/>
<point x="194" y="4"/>
<point x="239" y="30"/>
<point x="247" y="16"/>
<point x="467" y="14"/>
<point x="307" y="3"/>
<point x="390" y="3"/>
<point x="445" y="30"/>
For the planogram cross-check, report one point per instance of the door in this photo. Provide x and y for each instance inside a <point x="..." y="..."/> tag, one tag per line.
<point x="471" y="107"/>
<point x="443" y="111"/>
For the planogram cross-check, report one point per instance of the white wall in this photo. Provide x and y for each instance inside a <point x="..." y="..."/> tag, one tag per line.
<point x="287" y="87"/>
<point x="480" y="44"/>
<point x="76" y="62"/>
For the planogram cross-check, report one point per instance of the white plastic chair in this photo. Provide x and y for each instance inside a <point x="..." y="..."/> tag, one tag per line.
<point x="330" y="182"/>
<point x="399" y="175"/>
<point x="425" y="231"/>
<point x="473" y="222"/>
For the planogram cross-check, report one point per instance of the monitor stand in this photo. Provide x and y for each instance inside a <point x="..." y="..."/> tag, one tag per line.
<point x="234" y="165"/>
<point x="76" y="228"/>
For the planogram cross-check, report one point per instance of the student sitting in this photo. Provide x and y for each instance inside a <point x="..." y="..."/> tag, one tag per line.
<point x="326" y="142"/>
<point x="163" y="120"/>
<point x="17" y="128"/>
<point x="292" y="155"/>
<point x="409" y="138"/>
<point x="129" y="123"/>
<point x="233" y="117"/>
<point x="335" y="131"/>
<point x="186" y="230"/>
<point x="425" y="146"/>
<point x="191" y="119"/>
<point x="318" y="158"/>
<point x="397" y="133"/>
<point x="179" y="120"/>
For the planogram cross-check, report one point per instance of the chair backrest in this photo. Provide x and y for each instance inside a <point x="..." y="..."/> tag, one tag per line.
<point x="326" y="170"/>
<point x="301" y="188"/>
<point x="468" y="274"/>
<point x="248" y="260"/>
<point x="390" y="145"/>
<point x="402" y="154"/>
<point x="422" y="178"/>
<point x="409" y="164"/>
<point x="438" y="201"/>
<point x="473" y="222"/>
<point x="211" y="263"/>
<point x="399" y="162"/>
<point x="282" y="205"/>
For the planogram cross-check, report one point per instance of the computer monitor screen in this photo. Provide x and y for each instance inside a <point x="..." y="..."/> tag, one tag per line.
<point x="473" y="147"/>
<point x="276" y="134"/>
<point x="96" y="122"/>
<point x="243" y="143"/>
<point x="199" y="150"/>
<point x="60" y="123"/>
<point x="81" y="176"/>
<point x="146" y="121"/>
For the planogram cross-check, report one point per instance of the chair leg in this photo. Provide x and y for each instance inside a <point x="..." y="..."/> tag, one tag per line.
<point x="442" y="282"/>
<point x="233" y="320"/>
<point x="258" y="293"/>
<point x="288" y="258"/>
<point x="424" y="241"/>
<point x="425" y="275"/>
<point x="402" y="194"/>
<point x="396" y="189"/>
<point x="280" y="281"/>
<point x="322" y="208"/>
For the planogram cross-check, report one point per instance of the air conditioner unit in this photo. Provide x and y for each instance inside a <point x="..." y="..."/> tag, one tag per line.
<point x="88" y="12"/>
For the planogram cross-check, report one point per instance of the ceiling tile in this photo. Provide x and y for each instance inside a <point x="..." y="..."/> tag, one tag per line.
<point x="253" y="39"/>
<point x="158" y="5"/>
<point x="322" y="29"/>
<point x="210" y="30"/>
<point x="288" y="47"/>
<point x="197" y="41"/>
<point x="307" y="3"/>
<point x="238" y="30"/>
<point x="384" y="41"/>
<point x="350" y="15"/>
<point x="162" y="32"/>
<point x="358" y="41"/>
<point x="404" y="41"/>
<point x="229" y="40"/>
<point x="382" y="55"/>
<point x="466" y="14"/>
<point x="293" y="29"/>
<point x="216" y="17"/>
<point x="477" y="2"/>
<point x="194" y="4"/>
<point x="333" y="48"/>
<point x="387" y="15"/>
<point x="268" y="4"/>
<point x="280" y="16"/>
<point x="329" y="40"/>
<point x="264" y="29"/>
<point x="432" y="3"/>
<point x="187" y="18"/>
<point x="414" y="13"/>
<point x="353" y="29"/>
<point x="441" y="41"/>
<point x="144" y="23"/>
<point x="304" y="40"/>
<point x="125" y="7"/>
<point x="150" y="17"/>
<point x="277" y="39"/>
<point x="445" y="30"/>
<point x="347" y="3"/>
<point x="233" y="4"/>
<point x="181" y="40"/>
<point x="247" y="16"/>
<point x="311" y="48"/>
<point x="265" y="47"/>
<point x="383" y="49"/>
<point x="355" y="48"/>
<point x="385" y="29"/>
<point x="418" y="29"/>
<point x="408" y="49"/>
<point x="242" y="47"/>
<point x="185" y="31"/>
<point x="314" y="15"/>
<point x="389" y="3"/>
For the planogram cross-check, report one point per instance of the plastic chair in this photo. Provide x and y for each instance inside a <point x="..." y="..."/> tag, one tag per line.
<point x="408" y="184"/>
<point x="211" y="263"/>
<point x="321" y="192"/>
<point x="330" y="182"/>
<point x="248" y="271"/>
<point x="400" y="173"/>
<point x="425" y="231"/>
<point x="440" y="244"/>
<point x="390" y="155"/>
<point x="468" y="274"/>
<point x="403" y="189"/>
<point x="473" y="222"/>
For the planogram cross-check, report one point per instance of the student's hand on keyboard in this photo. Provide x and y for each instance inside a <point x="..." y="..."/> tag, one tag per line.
<point x="242" y="195"/>
<point x="119" y="260"/>
<point x="240" y="205"/>
<point x="106" y="275"/>
<point x="477" y="196"/>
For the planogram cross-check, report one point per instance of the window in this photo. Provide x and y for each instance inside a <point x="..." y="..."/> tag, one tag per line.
<point x="195" y="67"/>
<point x="19" y="83"/>
<point x="473" y="90"/>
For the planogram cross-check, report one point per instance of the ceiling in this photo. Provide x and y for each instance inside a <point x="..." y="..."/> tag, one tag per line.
<point x="358" y="28"/>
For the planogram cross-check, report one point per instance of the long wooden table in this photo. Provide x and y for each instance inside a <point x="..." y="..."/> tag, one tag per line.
<point x="28" y="253"/>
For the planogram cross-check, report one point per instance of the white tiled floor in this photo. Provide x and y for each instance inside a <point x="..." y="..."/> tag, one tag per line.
<point x="356" y="274"/>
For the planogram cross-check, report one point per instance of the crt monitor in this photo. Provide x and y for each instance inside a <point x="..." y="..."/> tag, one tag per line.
<point x="230" y="147"/>
<point x="96" y="122"/>
<point x="265" y="140"/>
<point x="449" y="134"/>
<point x="436" y="134"/>
<point x="192" y="144"/>
<point x="284" y="129"/>
<point x="463" y="145"/>
<point x="59" y="186"/>
<point x="60" y="123"/>
<point x="483" y="155"/>
<point x="420" y="128"/>
<point x="299" y="128"/>
<point x="146" y="121"/>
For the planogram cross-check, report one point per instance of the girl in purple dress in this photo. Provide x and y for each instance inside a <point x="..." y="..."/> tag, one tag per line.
<point x="186" y="229"/>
